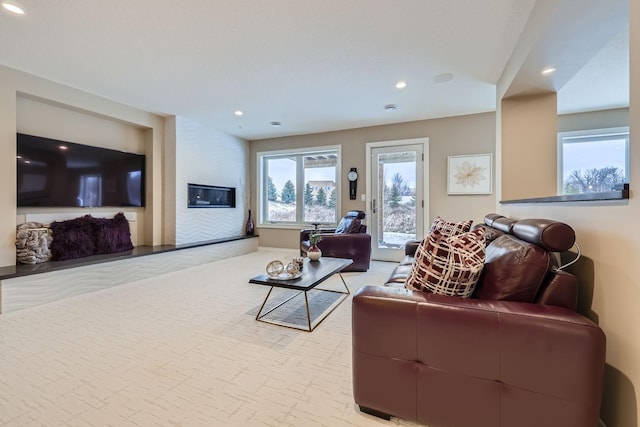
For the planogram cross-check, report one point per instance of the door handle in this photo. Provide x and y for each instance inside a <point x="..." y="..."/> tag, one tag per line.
<point x="373" y="205"/>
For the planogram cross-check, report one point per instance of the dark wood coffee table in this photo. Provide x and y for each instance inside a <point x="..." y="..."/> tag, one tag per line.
<point x="313" y="273"/>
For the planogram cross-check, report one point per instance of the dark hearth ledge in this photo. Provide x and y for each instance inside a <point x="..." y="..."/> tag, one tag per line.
<point x="21" y="270"/>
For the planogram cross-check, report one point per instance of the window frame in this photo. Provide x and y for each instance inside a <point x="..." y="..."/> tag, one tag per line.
<point x="587" y="135"/>
<point x="262" y="180"/>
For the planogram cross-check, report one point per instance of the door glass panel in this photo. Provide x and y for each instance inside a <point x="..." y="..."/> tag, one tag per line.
<point x="397" y="179"/>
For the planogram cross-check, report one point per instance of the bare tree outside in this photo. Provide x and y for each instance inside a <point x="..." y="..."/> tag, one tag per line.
<point x="593" y="180"/>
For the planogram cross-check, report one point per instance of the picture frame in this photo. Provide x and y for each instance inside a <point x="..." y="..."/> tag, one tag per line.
<point x="470" y="174"/>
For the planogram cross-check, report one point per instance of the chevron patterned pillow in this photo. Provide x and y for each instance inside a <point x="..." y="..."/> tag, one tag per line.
<point x="448" y="265"/>
<point x="450" y="228"/>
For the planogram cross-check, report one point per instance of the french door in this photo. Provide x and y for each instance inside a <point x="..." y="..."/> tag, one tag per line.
<point x="396" y="195"/>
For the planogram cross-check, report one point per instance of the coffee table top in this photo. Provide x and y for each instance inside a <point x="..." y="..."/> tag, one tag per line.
<point x="313" y="273"/>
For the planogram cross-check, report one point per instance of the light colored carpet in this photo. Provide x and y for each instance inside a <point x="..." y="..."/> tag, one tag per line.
<point x="180" y="349"/>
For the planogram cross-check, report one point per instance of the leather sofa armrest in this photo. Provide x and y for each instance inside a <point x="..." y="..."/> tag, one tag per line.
<point x="411" y="246"/>
<point x="384" y="321"/>
<point x="547" y="350"/>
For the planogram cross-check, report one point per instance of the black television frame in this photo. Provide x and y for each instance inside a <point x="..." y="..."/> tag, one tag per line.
<point x="56" y="170"/>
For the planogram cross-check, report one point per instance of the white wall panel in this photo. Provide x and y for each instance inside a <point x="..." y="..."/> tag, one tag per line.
<point x="208" y="157"/>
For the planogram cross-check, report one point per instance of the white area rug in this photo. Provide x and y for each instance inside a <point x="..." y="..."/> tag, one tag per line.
<point x="180" y="349"/>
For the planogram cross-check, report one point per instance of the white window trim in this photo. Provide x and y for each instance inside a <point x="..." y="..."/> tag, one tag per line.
<point x="299" y="194"/>
<point x="578" y="134"/>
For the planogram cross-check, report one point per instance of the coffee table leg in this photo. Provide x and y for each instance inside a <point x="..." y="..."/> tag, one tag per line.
<point x="337" y="292"/>
<point x="306" y="301"/>
<point x="263" y="303"/>
<point x="344" y="283"/>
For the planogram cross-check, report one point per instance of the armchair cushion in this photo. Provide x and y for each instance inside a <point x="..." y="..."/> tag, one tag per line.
<point x="448" y="265"/>
<point x="350" y="223"/>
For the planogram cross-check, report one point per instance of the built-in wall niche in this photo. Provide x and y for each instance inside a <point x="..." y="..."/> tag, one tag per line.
<point x="586" y="90"/>
<point x="209" y="196"/>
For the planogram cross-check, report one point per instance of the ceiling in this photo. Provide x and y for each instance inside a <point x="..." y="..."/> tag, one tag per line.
<point x="314" y="66"/>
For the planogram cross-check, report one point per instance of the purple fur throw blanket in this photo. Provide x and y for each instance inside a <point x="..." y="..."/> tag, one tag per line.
<point x="85" y="236"/>
<point x="72" y="238"/>
<point x="112" y="235"/>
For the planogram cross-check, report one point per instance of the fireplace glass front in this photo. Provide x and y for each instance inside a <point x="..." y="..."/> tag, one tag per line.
<point x="208" y="196"/>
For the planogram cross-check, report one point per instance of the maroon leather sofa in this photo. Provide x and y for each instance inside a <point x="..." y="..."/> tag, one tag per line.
<point x="348" y="240"/>
<point x="479" y="362"/>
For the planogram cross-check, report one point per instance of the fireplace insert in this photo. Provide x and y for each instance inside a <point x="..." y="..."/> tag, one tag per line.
<point x="209" y="196"/>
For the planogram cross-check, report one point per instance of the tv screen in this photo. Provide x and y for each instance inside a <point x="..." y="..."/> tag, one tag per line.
<point x="54" y="173"/>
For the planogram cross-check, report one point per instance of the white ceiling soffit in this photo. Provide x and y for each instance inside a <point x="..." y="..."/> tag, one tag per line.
<point x="568" y="35"/>
<point x="603" y="83"/>
<point x="314" y="66"/>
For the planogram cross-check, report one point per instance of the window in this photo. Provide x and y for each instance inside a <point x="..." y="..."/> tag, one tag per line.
<point x="299" y="187"/>
<point x="593" y="161"/>
<point x="90" y="191"/>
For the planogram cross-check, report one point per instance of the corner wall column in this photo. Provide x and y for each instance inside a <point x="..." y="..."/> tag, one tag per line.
<point x="529" y="127"/>
<point x="8" y="208"/>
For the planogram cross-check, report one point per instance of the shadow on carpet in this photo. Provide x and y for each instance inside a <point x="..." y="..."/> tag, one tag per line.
<point x="294" y="311"/>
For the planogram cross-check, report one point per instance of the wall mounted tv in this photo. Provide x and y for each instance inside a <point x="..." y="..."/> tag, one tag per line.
<point x="54" y="173"/>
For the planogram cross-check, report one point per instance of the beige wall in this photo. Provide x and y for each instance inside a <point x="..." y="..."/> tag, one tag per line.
<point x="602" y="119"/>
<point x="41" y="118"/>
<point x="473" y="134"/>
<point x="24" y="97"/>
<point x="610" y="272"/>
<point x="529" y="125"/>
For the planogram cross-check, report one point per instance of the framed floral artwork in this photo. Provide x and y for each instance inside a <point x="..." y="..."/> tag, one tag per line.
<point x="470" y="174"/>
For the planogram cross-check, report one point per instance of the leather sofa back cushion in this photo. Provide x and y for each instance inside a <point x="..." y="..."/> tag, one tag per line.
<point x="552" y="235"/>
<point x="513" y="271"/>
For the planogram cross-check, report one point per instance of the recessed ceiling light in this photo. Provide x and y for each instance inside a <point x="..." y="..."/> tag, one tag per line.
<point x="27" y="161"/>
<point x="63" y="147"/>
<point x="390" y="107"/>
<point x="238" y="113"/>
<point x="401" y="84"/>
<point x="276" y="124"/>
<point x="548" y="71"/>
<point x="13" y="8"/>
<point x="18" y="157"/>
<point x="443" y="78"/>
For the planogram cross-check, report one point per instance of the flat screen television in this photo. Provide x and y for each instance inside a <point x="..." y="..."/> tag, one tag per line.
<point x="54" y="173"/>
